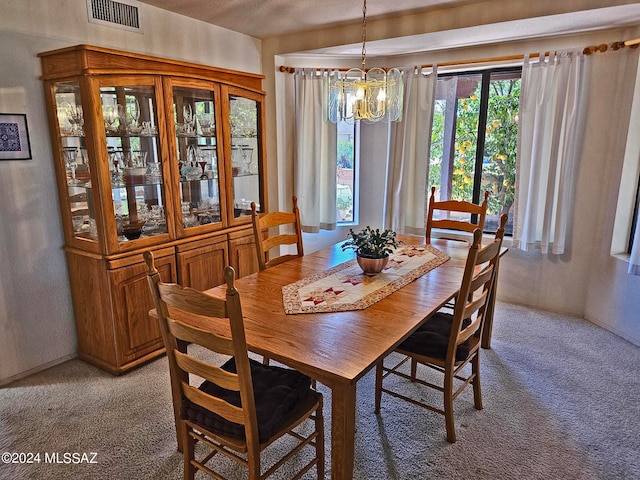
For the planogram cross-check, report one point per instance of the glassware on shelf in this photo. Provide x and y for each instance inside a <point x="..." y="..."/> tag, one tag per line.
<point x="132" y="231"/>
<point x="66" y="128"/>
<point x="156" y="214"/>
<point x="71" y="163"/>
<point x="154" y="172"/>
<point x="208" y="211"/>
<point x="139" y="158"/>
<point x="111" y="118"/>
<point x="242" y="207"/>
<point x="188" y="217"/>
<point x="78" y="223"/>
<point x="189" y="170"/>
<point x="188" y="126"/>
<point x="84" y="155"/>
<point x="246" y="152"/>
<point x="129" y="115"/>
<point x="207" y="124"/>
<point x="115" y="162"/>
<point x="75" y="118"/>
<point x="125" y="157"/>
<point x="148" y="129"/>
<point x="241" y="158"/>
<point x="189" y="119"/>
<point x="93" y="229"/>
<point x="208" y="155"/>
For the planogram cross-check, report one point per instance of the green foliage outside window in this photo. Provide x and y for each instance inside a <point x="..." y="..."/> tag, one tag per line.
<point x="345" y="153"/>
<point x="499" y="160"/>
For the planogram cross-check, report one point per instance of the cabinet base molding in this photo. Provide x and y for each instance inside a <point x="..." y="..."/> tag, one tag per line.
<point x="119" y="370"/>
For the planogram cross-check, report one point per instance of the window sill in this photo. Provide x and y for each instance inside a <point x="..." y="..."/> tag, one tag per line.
<point x="623" y="257"/>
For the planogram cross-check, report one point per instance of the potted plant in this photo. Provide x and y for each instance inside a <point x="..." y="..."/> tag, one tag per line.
<point x="372" y="248"/>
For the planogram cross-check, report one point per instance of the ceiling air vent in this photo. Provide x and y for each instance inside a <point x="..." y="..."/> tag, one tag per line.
<point x="124" y="14"/>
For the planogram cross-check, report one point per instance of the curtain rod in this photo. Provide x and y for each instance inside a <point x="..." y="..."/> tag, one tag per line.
<point x="603" y="47"/>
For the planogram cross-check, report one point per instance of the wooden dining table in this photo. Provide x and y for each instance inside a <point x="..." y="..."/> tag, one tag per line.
<point x="337" y="349"/>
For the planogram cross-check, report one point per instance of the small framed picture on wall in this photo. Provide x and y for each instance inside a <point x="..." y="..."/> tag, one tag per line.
<point x="14" y="137"/>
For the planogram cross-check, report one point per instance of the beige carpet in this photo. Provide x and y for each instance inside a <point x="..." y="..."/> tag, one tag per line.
<point x="561" y="401"/>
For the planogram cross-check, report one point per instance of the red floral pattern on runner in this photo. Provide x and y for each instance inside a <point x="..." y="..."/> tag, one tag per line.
<point x="345" y="287"/>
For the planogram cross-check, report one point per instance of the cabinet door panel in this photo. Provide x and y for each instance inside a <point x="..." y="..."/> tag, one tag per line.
<point x="197" y="119"/>
<point x="131" y="304"/>
<point x="132" y="159"/>
<point x="242" y="255"/>
<point x="244" y="152"/>
<point x="203" y="268"/>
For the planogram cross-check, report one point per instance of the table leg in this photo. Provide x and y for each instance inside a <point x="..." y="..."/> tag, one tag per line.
<point x="343" y="419"/>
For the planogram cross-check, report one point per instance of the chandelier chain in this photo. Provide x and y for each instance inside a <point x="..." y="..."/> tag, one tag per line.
<point x="364" y="35"/>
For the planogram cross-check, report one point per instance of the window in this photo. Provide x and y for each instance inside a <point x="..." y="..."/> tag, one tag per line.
<point x="474" y="139"/>
<point x="346" y="194"/>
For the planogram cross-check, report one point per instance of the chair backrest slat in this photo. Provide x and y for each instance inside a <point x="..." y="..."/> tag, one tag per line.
<point x="209" y="340"/>
<point x="277" y="240"/>
<point x="481" y="278"/>
<point x="192" y="300"/>
<point x="455" y="206"/>
<point x="276" y="219"/>
<point x="487" y="253"/>
<point x="207" y="371"/>
<point x="213" y="404"/>
<point x="262" y="224"/>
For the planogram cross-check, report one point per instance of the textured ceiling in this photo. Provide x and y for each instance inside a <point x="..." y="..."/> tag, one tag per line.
<point x="268" y="18"/>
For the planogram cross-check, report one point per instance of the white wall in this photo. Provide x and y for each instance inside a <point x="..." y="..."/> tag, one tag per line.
<point x="586" y="281"/>
<point x="36" y="316"/>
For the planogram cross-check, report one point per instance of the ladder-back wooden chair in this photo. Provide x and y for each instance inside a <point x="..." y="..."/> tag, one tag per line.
<point x="449" y="206"/>
<point x="448" y="343"/>
<point x="241" y="407"/>
<point x="262" y="223"/>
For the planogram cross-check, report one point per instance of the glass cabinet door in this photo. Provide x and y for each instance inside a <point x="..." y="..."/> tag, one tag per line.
<point x="74" y="157"/>
<point x="246" y="161"/>
<point x="135" y="164"/>
<point x="194" y="113"/>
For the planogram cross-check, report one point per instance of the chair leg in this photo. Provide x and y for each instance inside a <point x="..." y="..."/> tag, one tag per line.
<point x="320" y="442"/>
<point x="188" y="451"/>
<point x="448" y="406"/>
<point x="414" y="369"/>
<point x="378" y="386"/>
<point x="477" y="392"/>
<point x="254" y="464"/>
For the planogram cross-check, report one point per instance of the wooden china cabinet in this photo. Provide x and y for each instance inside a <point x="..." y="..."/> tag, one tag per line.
<point x="150" y="154"/>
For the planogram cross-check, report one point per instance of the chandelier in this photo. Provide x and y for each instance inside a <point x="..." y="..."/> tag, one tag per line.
<point x="359" y="94"/>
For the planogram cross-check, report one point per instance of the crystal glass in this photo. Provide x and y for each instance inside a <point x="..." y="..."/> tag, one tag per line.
<point x="111" y="118"/>
<point x="71" y="163"/>
<point x="75" y="118"/>
<point x="207" y="124"/>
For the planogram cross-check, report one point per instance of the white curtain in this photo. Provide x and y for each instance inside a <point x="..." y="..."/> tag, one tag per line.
<point x="550" y="134"/>
<point x="408" y="156"/>
<point x="315" y="160"/>
<point x="634" y="260"/>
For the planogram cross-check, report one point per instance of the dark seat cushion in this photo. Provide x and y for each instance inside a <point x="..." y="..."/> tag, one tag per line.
<point x="432" y="338"/>
<point x="280" y="395"/>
